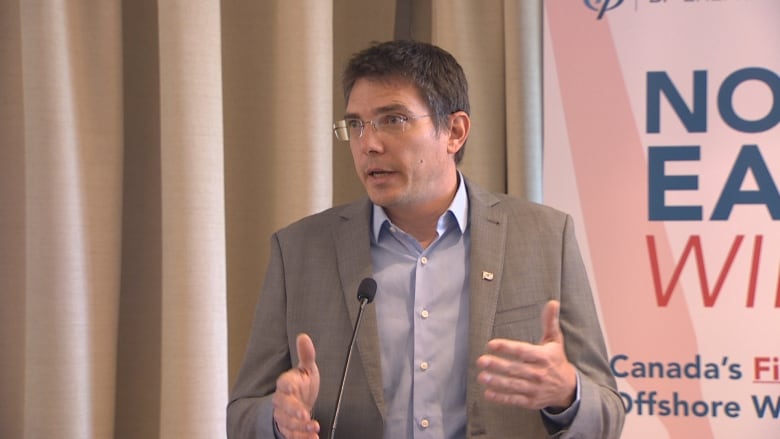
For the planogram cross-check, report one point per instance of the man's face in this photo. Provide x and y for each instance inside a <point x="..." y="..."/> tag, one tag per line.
<point x="404" y="171"/>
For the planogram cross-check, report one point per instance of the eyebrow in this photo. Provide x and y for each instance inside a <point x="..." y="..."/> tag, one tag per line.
<point x="392" y="108"/>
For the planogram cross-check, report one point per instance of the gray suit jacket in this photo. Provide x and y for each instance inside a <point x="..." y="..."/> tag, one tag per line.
<point x="310" y="286"/>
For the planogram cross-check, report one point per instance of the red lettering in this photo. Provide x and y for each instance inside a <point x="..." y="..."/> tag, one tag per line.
<point x="751" y="296"/>
<point x="766" y="364"/>
<point x="694" y="243"/>
<point x="777" y="294"/>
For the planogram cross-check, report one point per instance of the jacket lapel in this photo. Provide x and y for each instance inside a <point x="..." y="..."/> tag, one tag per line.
<point x="488" y="246"/>
<point x="353" y="253"/>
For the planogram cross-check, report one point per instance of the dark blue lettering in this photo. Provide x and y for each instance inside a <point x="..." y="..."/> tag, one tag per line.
<point x="749" y="158"/>
<point x="726" y="104"/>
<point x="659" y="183"/>
<point x="613" y="366"/>
<point x="766" y="407"/>
<point x="694" y="120"/>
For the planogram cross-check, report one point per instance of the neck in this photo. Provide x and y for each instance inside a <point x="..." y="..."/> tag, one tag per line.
<point x="420" y="221"/>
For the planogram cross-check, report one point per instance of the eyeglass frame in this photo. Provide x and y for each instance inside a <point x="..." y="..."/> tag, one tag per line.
<point x="375" y="122"/>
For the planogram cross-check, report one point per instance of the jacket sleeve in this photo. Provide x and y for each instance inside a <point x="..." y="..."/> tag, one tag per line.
<point x="250" y="410"/>
<point x="601" y="413"/>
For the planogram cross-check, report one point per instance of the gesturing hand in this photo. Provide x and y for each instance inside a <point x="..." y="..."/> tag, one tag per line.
<point x="296" y="392"/>
<point x="528" y="375"/>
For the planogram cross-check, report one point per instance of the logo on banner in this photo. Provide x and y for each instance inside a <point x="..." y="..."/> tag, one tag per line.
<point x="602" y="6"/>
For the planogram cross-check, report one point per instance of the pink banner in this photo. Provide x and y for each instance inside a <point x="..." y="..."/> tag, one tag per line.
<point x="662" y="139"/>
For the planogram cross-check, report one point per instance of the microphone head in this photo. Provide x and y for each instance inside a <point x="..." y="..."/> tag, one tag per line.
<point x="367" y="290"/>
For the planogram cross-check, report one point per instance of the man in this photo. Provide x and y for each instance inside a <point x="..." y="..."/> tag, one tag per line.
<point x="483" y="323"/>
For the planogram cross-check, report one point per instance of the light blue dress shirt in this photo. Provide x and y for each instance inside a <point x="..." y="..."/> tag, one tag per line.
<point x="422" y="311"/>
<point x="422" y="308"/>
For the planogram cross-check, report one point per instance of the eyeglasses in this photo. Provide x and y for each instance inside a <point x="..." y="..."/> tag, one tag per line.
<point x="392" y="124"/>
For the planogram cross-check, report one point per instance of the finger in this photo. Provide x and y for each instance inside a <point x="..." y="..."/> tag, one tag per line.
<point x="509" y="399"/>
<point x="298" y="429"/>
<point x="514" y="350"/>
<point x="551" y="326"/>
<point x="303" y="430"/>
<point x="510" y="390"/>
<point x="289" y="406"/>
<point x="291" y="417"/>
<point x="287" y="383"/>
<point x="291" y="383"/>
<point x="306" y="354"/>
<point x="509" y="385"/>
<point x="495" y="365"/>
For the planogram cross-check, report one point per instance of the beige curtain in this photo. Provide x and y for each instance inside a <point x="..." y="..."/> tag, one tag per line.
<point x="148" y="148"/>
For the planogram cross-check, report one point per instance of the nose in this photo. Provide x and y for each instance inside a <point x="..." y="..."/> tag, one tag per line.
<point x="369" y="142"/>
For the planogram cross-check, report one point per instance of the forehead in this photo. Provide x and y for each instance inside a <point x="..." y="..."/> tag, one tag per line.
<point x="371" y="96"/>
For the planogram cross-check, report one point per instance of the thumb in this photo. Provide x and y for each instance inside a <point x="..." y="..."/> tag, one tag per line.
<point x="306" y="353"/>
<point x="551" y="326"/>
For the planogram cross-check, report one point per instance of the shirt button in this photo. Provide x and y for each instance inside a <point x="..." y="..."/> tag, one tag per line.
<point x="425" y="423"/>
<point x="424" y="313"/>
<point x="424" y="365"/>
<point x="424" y="260"/>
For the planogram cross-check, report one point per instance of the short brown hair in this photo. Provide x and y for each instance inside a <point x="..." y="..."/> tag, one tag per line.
<point x="434" y="71"/>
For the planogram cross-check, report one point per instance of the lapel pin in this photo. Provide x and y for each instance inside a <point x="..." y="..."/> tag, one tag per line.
<point x="486" y="275"/>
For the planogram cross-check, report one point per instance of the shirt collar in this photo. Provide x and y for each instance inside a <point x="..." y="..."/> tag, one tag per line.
<point x="459" y="207"/>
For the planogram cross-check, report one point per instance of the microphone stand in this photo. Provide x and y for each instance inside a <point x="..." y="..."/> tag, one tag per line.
<point x="366" y="293"/>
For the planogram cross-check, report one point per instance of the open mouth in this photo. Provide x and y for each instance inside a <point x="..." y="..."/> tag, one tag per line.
<point x="378" y="173"/>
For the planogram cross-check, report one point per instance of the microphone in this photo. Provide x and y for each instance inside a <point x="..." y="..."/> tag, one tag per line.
<point x="365" y="294"/>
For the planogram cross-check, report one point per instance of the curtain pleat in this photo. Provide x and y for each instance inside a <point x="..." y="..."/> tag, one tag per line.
<point x="485" y="155"/>
<point x="12" y="224"/>
<point x="73" y="155"/>
<point x="194" y="327"/>
<point x="499" y="46"/>
<point x="138" y="375"/>
<point x="523" y="94"/>
<point x="356" y="24"/>
<point x="149" y="148"/>
<point x="278" y="148"/>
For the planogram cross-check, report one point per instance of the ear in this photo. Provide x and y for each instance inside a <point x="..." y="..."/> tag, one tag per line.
<point x="460" y="125"/>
